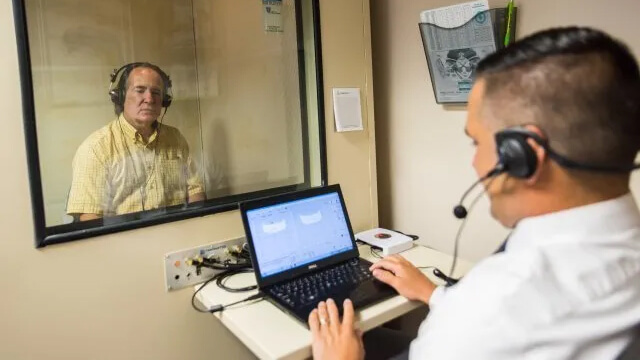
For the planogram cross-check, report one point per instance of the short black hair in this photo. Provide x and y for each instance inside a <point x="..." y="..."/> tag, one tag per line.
<point x="578" y="84"/>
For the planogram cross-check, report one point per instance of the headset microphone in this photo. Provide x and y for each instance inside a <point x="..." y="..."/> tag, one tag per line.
<point x="460" y="211"/>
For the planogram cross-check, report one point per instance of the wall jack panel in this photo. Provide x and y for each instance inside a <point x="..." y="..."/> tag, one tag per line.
<point x="178" y="274"/>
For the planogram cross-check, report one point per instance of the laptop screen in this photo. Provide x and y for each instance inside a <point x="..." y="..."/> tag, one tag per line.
<point x="294" y="233"/>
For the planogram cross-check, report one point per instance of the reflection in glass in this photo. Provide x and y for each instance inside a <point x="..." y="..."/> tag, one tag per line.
<point x="242" y="118"/>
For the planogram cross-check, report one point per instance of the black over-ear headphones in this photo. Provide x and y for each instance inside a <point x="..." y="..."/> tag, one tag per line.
<point x="517" y="158"/>
<point x="515" y="155"/>
<point x="117" y="93"/>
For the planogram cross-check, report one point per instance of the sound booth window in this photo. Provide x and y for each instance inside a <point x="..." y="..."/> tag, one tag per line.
<point x="140" y="112"/>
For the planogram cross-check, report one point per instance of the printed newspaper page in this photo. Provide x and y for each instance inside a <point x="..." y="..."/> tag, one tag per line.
<point x="455" y="38"/>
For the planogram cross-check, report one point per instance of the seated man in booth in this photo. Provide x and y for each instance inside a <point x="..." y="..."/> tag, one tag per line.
<point x="135" y="163"/>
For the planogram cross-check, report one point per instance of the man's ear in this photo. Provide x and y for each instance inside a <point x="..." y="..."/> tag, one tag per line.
<point x="539" y="150"/>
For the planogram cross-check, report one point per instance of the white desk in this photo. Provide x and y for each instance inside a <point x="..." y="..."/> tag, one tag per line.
<point x="272" y="334"/>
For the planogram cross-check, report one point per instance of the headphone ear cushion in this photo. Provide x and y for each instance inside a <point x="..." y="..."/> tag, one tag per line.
<point x="166" y="101"/>
<point x="518" y="157"/>
<point x="113" y="94"/>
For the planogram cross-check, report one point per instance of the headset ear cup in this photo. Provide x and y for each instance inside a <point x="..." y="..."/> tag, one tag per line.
<point x="166" y="101"/>
<point x="517" y="156"/>
<point x="113" y="94"/>
<point x="167" y="98"/>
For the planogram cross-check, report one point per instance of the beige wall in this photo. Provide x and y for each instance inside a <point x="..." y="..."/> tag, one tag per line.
<point x="104" y="298"/>
<point x="424" y="158"/>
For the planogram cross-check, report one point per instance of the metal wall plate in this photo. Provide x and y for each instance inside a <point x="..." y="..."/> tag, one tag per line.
<point x="179" y="274"/>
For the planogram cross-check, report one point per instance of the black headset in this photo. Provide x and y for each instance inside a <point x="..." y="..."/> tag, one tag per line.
<point x="517" y="158"/>
<point x="117" y="93"/>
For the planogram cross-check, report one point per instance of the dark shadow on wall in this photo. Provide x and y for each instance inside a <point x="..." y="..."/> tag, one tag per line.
<point x="216" y="160"/>
<point x="381" y="70"/>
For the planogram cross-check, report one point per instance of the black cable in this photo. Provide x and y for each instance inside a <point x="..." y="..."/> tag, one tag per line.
<point x="413" y="237"/>
<point x="218" y="308"/>
<point x="219" y="277"/>
<point x="193" y="297"/>
<point x="439" y="274"/>
<point x="226" y="265"/>
<point x="227" y="269"/>
<point x="220" y="281"/>
<point x="243" y="254"/>
<point x="455" y="244"/>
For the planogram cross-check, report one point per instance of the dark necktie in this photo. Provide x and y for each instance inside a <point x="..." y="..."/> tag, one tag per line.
<point x="502" y="247"/>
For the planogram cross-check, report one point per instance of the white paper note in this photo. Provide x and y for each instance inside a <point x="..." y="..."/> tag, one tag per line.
<point x="272" y="15"/>
<point x="346" y="109"/>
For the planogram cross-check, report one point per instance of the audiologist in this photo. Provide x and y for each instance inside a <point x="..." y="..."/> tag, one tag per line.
<point x="554" y="119"/>
<point x="134" y="163"/>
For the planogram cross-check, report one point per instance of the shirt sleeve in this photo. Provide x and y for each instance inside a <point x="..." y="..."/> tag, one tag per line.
<point x="88" y="185"/>
<point x="195" y="181"/>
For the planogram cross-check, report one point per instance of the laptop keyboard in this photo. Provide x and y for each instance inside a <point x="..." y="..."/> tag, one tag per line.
<point x="320" y="285"/>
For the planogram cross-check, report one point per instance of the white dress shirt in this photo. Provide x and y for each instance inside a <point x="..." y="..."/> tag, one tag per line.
<point x="566" y="287"/>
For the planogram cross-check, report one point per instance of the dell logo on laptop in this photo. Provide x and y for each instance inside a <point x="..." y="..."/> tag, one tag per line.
<point x="312" y="266"/>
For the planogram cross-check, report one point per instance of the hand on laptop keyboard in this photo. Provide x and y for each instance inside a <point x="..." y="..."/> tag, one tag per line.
<point x="403" y="276"/>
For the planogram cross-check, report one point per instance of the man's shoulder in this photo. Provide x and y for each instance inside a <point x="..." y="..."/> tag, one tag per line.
<point x="166" y="130"/>
<point x="171" y="134"/>
<point x="99" y="138"/>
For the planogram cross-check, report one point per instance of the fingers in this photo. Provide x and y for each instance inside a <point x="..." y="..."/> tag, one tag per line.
<point x="334" y="317"/>
<point x="388" y="263"/>
<point x="314" y="323"/>
<point x="386" y="277"/>
<point x="347" y="315"/>
<point x="323" y="318"/>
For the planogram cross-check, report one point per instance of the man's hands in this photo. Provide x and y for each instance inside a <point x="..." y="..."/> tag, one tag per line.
<point x="400" y="274"/>
<point x="332" y="339"/>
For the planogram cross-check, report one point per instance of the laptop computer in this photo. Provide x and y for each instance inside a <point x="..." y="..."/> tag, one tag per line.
<point x="303" y="251"/>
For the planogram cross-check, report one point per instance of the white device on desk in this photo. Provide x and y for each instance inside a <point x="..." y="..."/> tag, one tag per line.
<point x="391" y="242"/>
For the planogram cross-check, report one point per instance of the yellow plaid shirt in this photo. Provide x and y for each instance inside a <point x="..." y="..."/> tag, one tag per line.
<point x="115" y="172"/>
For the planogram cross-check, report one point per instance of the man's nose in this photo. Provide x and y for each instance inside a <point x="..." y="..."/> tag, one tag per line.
<point x="149" y="97"/>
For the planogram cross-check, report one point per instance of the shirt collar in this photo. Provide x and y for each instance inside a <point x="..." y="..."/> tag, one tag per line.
<point x="576" y="224"/>
<point x="131" y="133"/>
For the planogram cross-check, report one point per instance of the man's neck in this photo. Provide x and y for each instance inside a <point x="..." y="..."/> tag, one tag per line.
<point x="574" y="195"/>
<point x="145" y="130"/>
